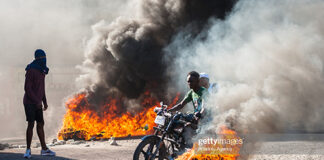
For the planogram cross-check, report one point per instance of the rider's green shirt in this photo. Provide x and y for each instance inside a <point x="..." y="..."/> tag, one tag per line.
<point x="197" y="98"/>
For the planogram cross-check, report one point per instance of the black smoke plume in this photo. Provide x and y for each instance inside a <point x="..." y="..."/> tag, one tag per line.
<point x="126" y="57"/>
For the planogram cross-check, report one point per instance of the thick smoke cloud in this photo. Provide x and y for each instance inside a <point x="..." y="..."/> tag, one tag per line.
<point x="268" y="60"/>
<point x="126" y="57"/>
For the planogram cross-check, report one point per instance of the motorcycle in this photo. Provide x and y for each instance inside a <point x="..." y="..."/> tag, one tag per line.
<point x="168" y="141"/>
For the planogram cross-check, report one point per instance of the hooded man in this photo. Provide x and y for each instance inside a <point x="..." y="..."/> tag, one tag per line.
<point x="33" y="99"/>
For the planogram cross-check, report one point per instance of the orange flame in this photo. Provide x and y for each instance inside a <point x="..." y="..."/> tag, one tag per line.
<point x="214" y="152"/>
<point x="83" y="123"/>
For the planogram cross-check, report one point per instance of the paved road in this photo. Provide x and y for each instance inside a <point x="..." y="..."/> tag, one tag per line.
<point x="270" y="150"/>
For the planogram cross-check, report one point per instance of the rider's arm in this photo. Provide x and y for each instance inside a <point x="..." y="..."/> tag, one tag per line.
<point x="185" y="100"/>
<point x="204" y="97"/>
<point x="200" y="113"/>
<point x="178" y="106"/>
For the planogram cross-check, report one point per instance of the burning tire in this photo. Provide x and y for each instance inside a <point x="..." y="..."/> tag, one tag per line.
<point x="147" y="148"/>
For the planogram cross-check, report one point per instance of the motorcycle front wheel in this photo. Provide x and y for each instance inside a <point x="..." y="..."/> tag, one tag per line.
<point x="146" y="149"/>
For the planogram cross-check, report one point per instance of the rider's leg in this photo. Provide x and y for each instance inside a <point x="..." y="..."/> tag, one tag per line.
<point x="188" y="133"/>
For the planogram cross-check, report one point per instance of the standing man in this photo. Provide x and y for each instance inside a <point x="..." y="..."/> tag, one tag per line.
<point x="33" y="98"/>
<point x="204" y="82"/>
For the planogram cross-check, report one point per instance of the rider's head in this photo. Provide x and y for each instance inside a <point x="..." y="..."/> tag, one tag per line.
<point x="193" y="80"/>
<point x="204" y="80"/>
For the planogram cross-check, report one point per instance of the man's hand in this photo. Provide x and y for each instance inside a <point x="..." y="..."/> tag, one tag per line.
<point x="197" y="116"/>
<point x="45" y="107"/>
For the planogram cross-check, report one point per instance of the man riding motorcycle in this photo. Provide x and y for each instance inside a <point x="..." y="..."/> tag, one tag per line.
<point x="174" y="132"/>
<point x="197" y="95"/>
